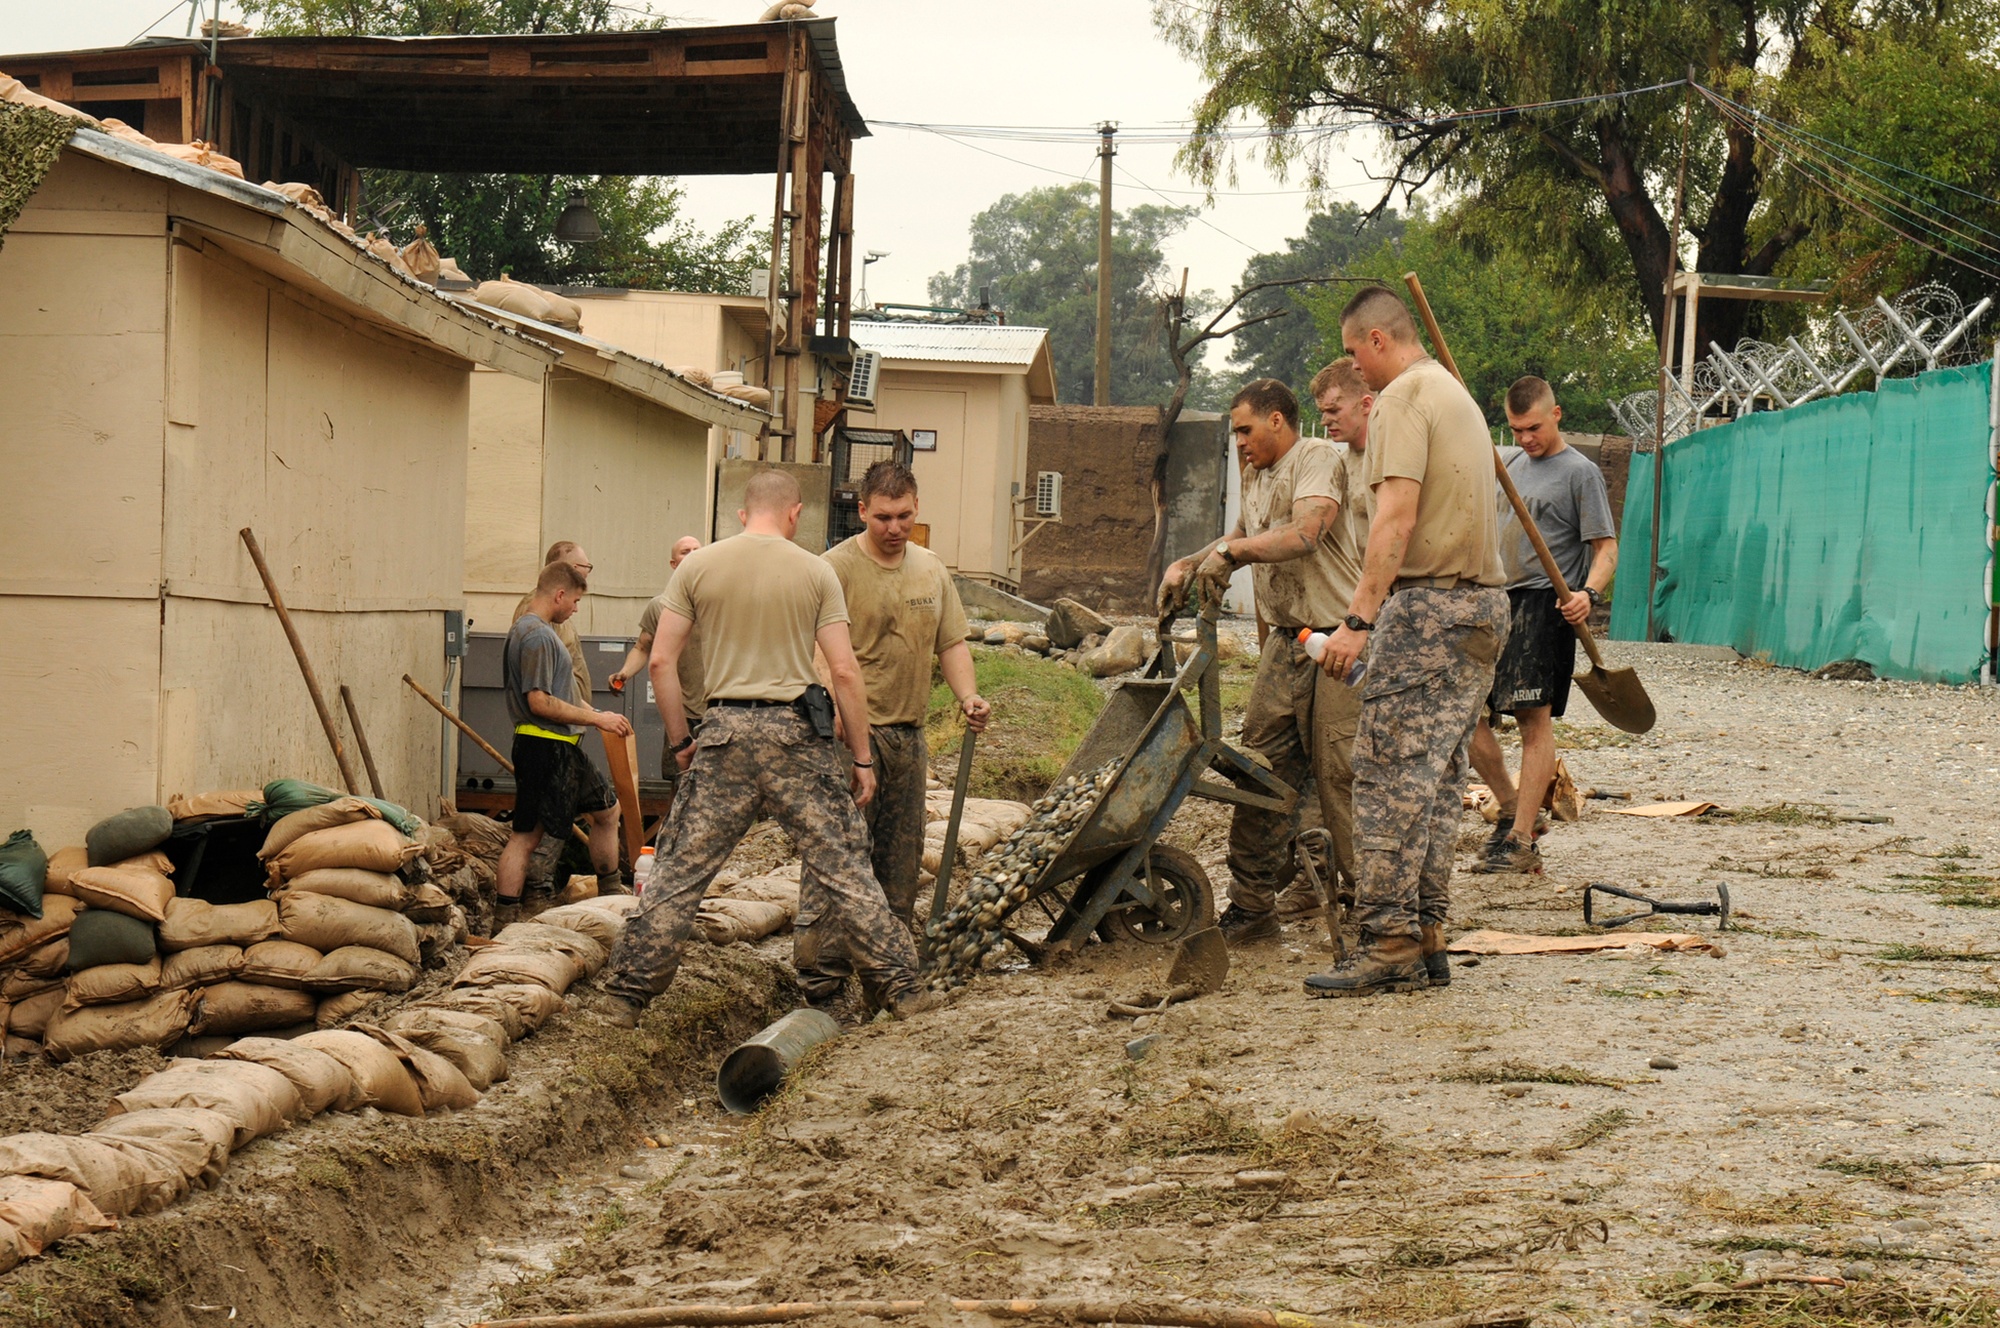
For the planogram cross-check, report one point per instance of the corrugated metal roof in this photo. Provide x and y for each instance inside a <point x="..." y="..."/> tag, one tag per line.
<point x="964" y="343"/>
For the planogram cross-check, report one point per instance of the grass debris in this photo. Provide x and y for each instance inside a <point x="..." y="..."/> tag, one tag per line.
<point x="1711" y="1295"/>
<point x="1934" y="954"/>
<point x="1049" y="708"/>
<point x="1521" y="1072"/>
<point x="1779" y="813"/>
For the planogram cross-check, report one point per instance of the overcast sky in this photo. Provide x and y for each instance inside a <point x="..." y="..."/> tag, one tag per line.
<point x="1015" y="62"/>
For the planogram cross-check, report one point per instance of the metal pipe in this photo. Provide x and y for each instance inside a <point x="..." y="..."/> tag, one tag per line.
<point x="756" y="1069"/>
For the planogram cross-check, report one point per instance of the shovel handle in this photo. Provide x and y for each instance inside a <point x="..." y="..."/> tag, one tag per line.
<point x="942" y="894"/>
<point x="1548" y="559"/>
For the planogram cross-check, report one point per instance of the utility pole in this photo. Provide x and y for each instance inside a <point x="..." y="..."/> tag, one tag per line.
<point x="1101" y="396"/>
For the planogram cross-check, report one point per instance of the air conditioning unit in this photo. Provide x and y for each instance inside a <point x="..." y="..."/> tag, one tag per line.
<point x="760" y="284"/>
<point x="862" y="379"/>
<point x="1048" y="494"/>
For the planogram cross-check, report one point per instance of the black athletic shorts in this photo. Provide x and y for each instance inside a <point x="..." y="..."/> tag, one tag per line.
<point x="1540" y="656"/>
<point x="554" y="783"/>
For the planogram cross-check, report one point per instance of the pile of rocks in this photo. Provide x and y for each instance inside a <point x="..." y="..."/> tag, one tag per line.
<point x="1075" y="635"/>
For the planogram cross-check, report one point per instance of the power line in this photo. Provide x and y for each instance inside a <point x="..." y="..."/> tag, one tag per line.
<point x="1197" y="216"/>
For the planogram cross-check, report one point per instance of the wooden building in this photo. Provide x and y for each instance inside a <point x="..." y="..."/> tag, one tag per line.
<point x="182" y="356"/>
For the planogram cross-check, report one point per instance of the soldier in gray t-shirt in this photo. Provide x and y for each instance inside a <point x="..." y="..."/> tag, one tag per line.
<point x="1564" y="492"/>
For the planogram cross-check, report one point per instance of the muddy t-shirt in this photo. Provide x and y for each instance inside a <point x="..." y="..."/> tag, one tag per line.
<point x="1425" y="427"/>
<point x="579" y="668"/>
<point x="534" y="660"/>
<point x="758" y="602"/>
<point x="1350" y="528"/>
<point x="1565" y="494"/>
<point x="901" y="618"/>
<point x="1305" y="591"/>
<point x="694" y="696"/>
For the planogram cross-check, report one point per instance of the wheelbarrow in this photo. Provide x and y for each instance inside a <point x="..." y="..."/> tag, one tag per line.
<point x="1111" y="877"/>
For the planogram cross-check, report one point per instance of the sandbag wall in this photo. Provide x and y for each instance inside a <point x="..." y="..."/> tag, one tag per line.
<point x="175" y="1129"/>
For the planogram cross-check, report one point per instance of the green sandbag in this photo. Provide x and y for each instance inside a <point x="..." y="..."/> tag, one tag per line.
<point x="128" y="834"/>
<point x="282" y="797"/>
<point x="102" y="936"/>
<point x="24" y="870"/>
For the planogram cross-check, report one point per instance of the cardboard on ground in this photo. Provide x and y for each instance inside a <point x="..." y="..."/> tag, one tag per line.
<point x="1516" y="943"/>
<point x="1666" y="809"/>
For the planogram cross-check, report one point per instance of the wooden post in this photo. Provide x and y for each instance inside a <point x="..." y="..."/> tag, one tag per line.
<point x="840" y="291"/>
<point x="1666" y="362"/>
<point x="460" y="724"/>
<point x="623" y="756"/>
<point x="361" y="741"/>
<point x="804" y="256"/>
<point x="775" y="272"/>
<point x="305" y="665"/>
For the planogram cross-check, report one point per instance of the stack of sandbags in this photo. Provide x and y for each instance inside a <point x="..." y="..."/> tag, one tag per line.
<point x="468" y="867"/>
<point x="985" y="822"/>
<point x="518" y="297"/>
<point x="749" y="909"/>
<point x="34" y="947"/>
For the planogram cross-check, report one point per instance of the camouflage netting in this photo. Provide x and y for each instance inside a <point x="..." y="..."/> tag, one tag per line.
<point x="31" y="139"/>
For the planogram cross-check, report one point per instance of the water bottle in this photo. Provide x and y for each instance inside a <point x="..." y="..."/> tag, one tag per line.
<point x="642" y="870"/>
<point x="1315" y="642"/>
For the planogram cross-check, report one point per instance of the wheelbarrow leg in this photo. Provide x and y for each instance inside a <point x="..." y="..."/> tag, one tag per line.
<point x="1328" y="891"/>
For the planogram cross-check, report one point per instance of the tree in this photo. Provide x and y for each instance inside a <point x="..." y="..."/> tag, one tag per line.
<point x="1035" y="256"/>
<point x="1580" y="187"/>
<point x="505" y="223"/>
<point x="1291" y="349"/>
<point x="1504" y="320"/>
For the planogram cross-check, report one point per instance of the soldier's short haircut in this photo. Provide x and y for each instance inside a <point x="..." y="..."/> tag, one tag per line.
<point x="888" y="479"/>
<point x="1528" y="393"/>
<point x="1381" y="308"/>
<point x="560" y="576"/>
<point x="558" y="551"/>
<point x="771" y="491"/>
<point x="1266" y="396"/>
<point x="1342" y="375"/>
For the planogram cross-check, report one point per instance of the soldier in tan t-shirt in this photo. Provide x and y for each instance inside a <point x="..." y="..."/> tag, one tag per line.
<point x="1291" y="505"/>
<point x="1431" y="616"/>
<point x="903" y="611"/>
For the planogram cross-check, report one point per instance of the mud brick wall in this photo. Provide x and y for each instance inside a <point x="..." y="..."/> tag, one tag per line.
<point x="1097" y="552"/>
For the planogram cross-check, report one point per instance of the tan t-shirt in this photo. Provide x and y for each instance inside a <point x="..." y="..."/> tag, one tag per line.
<point x="758" y="602"/>
<point x="694" y="696"/>
<point x="1426" y="427"/>
<point x="579" y="668"/>
<point x="901" y="618"/>
<point x="1350" y="528"/>
<point x="1302" y="592"/>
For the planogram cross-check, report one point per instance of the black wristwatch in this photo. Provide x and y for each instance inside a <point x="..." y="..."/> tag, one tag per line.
<point x="681" y="746"/>
<point x="1357" y="623"/>
<point x="1596" y="596"/>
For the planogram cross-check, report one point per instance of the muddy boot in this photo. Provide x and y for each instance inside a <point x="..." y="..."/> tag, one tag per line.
<point x="614" y="1010"/>
<point x="506" y="912"/>
<point x="612" y="883"/>
<point x="1437" y="964"/>
<point x="1379" y="964"/>
<point x="1299" y="900"/>
<point x="918" y="1000"/>
<point x="1240" y="927"/>
<point x="1507" y="854"/>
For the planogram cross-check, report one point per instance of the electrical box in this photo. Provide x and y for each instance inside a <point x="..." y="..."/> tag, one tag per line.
<point x="863" y="379"/>
<point x="454" y="634"/>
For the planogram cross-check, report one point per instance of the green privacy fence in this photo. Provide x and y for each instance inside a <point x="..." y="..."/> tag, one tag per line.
<point x="1850" y="528"/>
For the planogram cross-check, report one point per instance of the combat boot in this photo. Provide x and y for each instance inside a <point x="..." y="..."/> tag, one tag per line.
<point x="1379" y="964"/>
<point x="1299" y="900"/>
<point x="613" y="1009"/>
<point x="506" y="912"/>
<point x="1507" y="854"/>
<point x="1437" y="964"/>
<point x="916" y="1002"/>
<point x="1239" y="926"/>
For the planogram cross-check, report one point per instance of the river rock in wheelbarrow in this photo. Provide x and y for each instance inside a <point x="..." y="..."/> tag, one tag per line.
<point x="972" y="927"/>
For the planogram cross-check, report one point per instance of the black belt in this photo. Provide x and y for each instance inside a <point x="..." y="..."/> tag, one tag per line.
<point x="737" y="703"/>
<point x="1435" y="583"/>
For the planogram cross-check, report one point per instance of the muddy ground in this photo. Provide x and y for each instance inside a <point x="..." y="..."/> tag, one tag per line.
<point x="1830" y="1108"/>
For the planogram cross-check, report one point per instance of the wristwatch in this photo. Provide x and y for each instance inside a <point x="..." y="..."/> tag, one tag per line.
<point x="1356" y="622"/>
<point x="1222" y="552"/>
<point x="1596" y="596"/>
<point x="681" y="746"/>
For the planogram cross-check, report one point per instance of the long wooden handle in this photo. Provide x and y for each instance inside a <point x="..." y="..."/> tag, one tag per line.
<point x="361" y="741"/>
<point x="941" y="895"/>
<point x="326" y="720"/>
<point x="459" y="724"/>
<point x="621" y="752"/>
<point x="1549" y="567"/>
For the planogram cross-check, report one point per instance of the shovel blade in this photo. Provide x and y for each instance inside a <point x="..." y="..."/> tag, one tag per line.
<point x="1620" y="697"/>
<point x="1201" y="961"/>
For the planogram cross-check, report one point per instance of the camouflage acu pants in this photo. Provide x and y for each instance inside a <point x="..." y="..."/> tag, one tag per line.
<point x="1430" y="666"/>
<point x="895" y="817"/>
<point x="749" y="764"/>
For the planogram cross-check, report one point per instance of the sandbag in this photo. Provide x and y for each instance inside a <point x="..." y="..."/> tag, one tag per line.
<point x="30" y="1018"/>
<point x="373" y="888"/>
<point x="327" y="924"/>
<point x="257" y="1099"/>
<point x="546" y="938"/>
<point x="24" y="871"/>
<point x="361" y="968"/>
<point x="19" y="986"/>
<point x="478" y="836"/>
<point x="20" y="933"/>
<point x="458" y="1021"/>
<point x="622" y="905"/>
<point x="113" y="984"/>
<point x="282" y="797"/>
<point x="320" y="816"/>
<point x="232" y="1009"/>
<point x="441" y="849"/>
<point x="195" y="922"/>
<point x="279" y="963"/>
<point x="51" y="960"/>
<point x="434" y="938"/>
<point x="16" y="1048"/>
<point x="210" y="806"/>
<point x="116" y="1181"/>
<point x="370" y="845"/>
<point x="518" y="297"/>
<point x="441" y="1085"/>
<point x="478" y="1001"/>
<point x="420" y="256"/>
<point x="63" y="864"/>
<point x="100" y="936"/>
<point x="201" y="966"/>
<point x="42" y="1212"/>
<point x="381" y="1079"/>
<point x="336" y="1010"/>
<point x="199" y="153"/>
<point x="598" y="924"/>
<point x="764" y="889"/>
<point x="497" y="965"/>
<point x="428" y="903"/>
<point x="323" y="1081"/>
<point x="138" y="891"/>
<point x="725" y="921"/>
<point x="156" y="1022"/>
<point x="131" y="832"/>
<point x="193" y="1140"/>
<point x="479" y="1056"/>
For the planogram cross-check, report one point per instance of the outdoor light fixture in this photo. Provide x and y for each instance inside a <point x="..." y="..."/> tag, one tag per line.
<point x="578" y="224"/>
<point x="868" y="259"/>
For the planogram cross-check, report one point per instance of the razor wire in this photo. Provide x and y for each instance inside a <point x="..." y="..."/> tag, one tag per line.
<point x="1922" y="329"/>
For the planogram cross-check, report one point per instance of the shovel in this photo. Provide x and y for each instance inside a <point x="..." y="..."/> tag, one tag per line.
<point x="942" y="894"/>
<point x="1617" y="693"/>
<point x="1201" y="963"/>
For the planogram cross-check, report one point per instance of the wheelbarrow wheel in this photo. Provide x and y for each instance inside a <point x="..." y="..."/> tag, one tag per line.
<point x="1187" y="902"/>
